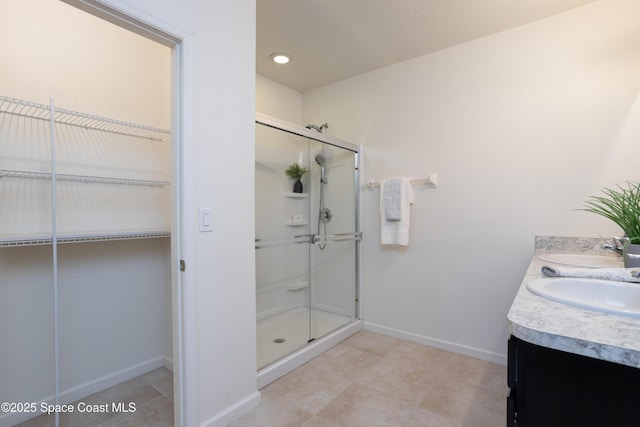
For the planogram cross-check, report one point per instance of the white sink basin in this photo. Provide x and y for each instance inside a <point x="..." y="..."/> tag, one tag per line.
<point x="582" y="260"/>
<point x="600" y="295"/>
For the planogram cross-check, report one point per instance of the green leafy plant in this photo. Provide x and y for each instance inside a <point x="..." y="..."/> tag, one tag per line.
<point x="621" y="205"/>
<point x="295" y="171"/>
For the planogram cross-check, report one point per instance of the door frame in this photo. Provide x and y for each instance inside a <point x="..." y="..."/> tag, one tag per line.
<point x="184" y="336"/>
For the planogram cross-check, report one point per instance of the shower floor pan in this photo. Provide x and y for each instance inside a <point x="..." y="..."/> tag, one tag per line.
<point x="284" y="333"/>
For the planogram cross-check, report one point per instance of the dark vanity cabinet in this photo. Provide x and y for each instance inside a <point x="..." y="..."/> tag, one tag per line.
<point x="552" y="388"/>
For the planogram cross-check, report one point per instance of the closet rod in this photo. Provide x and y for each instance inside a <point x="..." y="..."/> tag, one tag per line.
<point x="32" y="110"/>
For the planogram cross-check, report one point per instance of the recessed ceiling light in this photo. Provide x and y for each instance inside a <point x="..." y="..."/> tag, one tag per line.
<point x="280" y="58"/>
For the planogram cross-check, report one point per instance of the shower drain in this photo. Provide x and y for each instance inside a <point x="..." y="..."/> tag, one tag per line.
<point x="279" y="340"/>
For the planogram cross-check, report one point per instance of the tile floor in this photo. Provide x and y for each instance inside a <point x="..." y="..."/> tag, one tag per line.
<point x="374" y="380"/>
<point x="152" y="394"/>
<point x="367" y="380"/>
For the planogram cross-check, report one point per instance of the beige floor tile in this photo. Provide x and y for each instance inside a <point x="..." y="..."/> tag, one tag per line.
<point x="406" y="372"/>
<point x="160" y="378"/>
<point x="367" y="380"/>
<point x="346" y="361"/>
<point x="274" y="411"/>
<point x="84" y="419"/>
<point x="493" y="377"/>
<point x="309" y="387"/>
<point x="136" y="390"/>
<point x="476" y="373"/>
<point x="424" y="418"/>
<point x="447" y="399"/>
<point x="391" y="382"/>
<point x="487" y="409"/>
<point x="372" y="342"/>
<point x="466" y="405"/>
<point x="363" y="406"/>
<point x="157" y="413"/>
<point x="421" y="356"/>
<point x="316" y="421"/>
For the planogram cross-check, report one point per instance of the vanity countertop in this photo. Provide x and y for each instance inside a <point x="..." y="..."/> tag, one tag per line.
<point x="540" y="321"/>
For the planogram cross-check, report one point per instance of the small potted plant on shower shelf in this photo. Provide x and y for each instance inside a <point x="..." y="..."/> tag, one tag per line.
<point x="296" y="171"/>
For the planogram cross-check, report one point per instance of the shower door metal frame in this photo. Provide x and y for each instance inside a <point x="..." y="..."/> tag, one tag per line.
<point x="282" y="125"/>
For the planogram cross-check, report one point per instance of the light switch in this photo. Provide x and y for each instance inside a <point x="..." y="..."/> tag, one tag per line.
<point x="205" y="222"/>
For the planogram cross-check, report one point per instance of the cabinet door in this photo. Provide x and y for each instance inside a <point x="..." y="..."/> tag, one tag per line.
<point x="512" y="381"/>
<point x="560" y="389"/>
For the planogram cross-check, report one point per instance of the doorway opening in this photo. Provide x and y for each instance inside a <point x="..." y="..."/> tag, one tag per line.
<point x="112" y="320"/>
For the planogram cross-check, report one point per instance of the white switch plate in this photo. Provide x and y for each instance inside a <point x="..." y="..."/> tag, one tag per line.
<point x="205" y="221"/>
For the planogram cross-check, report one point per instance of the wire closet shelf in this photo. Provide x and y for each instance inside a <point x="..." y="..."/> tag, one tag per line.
<point x="60" y="116"/>
<point x="35" y="111"/>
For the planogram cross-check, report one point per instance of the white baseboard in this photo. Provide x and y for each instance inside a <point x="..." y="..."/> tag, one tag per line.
<point x="88" y="388"/>
<point x="168" y="363"/>
<point x="102" y="383"/>
<point x="438" y="343"/>
<point x="234" y="411"/>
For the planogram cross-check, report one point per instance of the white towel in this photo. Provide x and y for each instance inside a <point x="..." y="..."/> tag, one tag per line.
<point x="396" y="232"/>
<point x="617" y="274"/>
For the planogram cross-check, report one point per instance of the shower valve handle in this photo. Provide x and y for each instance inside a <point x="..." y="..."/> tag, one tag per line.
<point x="325" y="215"/>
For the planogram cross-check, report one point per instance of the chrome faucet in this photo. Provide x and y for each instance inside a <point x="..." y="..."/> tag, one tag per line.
<point x="617" y="244"/>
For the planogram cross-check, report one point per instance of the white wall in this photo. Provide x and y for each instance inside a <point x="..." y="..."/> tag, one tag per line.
<point x="276" y="100"/>
<point x="521" y="126"/>
<point x="59" y="51"/>
<point x="218" y="150"/>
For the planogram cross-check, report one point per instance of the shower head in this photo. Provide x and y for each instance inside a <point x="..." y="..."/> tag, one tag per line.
<point x="321" y="160"/>
<point x="319" y="128"/>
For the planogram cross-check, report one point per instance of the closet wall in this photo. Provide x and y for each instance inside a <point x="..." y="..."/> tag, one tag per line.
<point x="114" y="297"/>
<point x="87" y="64"/>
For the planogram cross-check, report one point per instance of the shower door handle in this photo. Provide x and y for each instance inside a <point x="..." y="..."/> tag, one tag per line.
<point x="285" y="241"/>
<point x="308" y="238"/>
<point x="333" y="238"/>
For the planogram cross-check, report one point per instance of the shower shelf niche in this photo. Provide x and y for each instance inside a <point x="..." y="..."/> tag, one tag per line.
<point x="296" y="198"/>
<point x="296" y="195"/>
<point x="297" y="286"/>
<point x="291" y="223"/>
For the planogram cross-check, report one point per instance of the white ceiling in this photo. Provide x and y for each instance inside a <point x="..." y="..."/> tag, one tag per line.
<point x="330" y="40"/>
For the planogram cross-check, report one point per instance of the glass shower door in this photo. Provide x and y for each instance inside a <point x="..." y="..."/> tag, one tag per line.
<point x="333" y="226"/>
<point x="282" y="245"/>
<point x="306" y="242"/>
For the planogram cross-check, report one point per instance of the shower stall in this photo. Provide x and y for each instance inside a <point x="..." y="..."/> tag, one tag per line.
<point x="306" y="244"/>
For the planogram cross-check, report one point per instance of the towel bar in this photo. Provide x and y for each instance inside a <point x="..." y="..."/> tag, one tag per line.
<point x="430" y="181"/>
